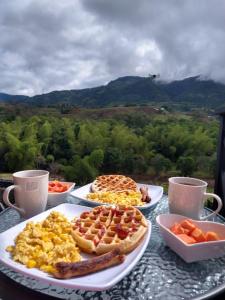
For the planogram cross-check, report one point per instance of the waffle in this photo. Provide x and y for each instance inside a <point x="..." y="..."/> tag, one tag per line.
<point x="113" y="183"/>
<point x="105" y="228"/>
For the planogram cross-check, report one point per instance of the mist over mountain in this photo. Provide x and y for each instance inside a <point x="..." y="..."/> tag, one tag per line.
<point x="133" y="90"/>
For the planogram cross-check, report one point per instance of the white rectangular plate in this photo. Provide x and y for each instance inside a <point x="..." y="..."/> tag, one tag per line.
<point x="98" y="281"/>
<point x="155" y="193"/>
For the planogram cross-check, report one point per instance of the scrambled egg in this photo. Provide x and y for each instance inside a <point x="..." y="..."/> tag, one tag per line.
<point x="41" y="245"/>
<point x="127" y="197"/>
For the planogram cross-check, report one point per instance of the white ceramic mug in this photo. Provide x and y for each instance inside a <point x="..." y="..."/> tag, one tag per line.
<point x="187" y="196"/>
<point x="30" y="192"/>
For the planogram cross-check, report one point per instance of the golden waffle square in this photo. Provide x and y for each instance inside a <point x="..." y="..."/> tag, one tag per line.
<point x="105" y="228"/>
<point x="113" y="183"/>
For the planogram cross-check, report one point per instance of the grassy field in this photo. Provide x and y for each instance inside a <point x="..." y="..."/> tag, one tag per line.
<point x="6" y="176"/>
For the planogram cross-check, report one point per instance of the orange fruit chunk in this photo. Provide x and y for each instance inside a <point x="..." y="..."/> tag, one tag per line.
<point x="188" y="232"/>
<point x="177" y="229"/>
<point x="198" y="235"/>
<point x="212" y="236"/>
<point x="186" y="238"/>
<point x="188" y="225"/>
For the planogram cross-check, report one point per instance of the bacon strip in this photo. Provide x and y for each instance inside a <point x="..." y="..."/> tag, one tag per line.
<point x="66" y="270"/>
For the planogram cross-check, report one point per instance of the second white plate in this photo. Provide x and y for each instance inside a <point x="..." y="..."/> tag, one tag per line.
<point x="155" y="192"/>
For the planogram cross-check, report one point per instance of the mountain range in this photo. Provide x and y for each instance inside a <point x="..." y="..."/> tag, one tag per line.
<point x="133" y="90"/>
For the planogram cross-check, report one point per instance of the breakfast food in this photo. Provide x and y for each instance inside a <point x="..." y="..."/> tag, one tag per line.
<point x="125" y="198"/>
<point x="189" y="233"/>
<point x="54" y="244"/>
<point x="113" y="183"/>
<point x="41" y="245"/>
<point x="118" y="189"/>
<point x="67" y="270"/>
<point x="105" y="228"/>
<point x="144" y="194"/>
<point x="57" y="186"/>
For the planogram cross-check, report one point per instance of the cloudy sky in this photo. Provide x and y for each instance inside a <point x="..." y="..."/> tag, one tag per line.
<point x="50" y="45"/>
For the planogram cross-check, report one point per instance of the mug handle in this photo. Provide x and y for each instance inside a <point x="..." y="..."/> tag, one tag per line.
<point x="6" y="199"/>
<point x="219" y="202"/>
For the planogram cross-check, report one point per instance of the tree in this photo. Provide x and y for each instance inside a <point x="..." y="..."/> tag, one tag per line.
<point x="112" y="160"/>
<point x="81" y="173"/>
<point x="96" y="158"/>
<point x="186" y="165"/>
<point x="45" y="135"/>
<point x="160" y="163"/>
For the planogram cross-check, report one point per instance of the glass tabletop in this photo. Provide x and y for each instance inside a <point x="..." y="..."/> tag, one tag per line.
<point x="160" y="274"/>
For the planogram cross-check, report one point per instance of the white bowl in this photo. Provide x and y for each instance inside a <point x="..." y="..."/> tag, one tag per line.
<point x="55" y="199"/>
<point x="192" y="252"/>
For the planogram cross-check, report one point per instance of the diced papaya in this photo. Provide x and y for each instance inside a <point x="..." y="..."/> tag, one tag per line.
<point x="212" y="236"/>
<point x="185" y="230"/>
<point x="188" y="225"/>
<point x="188" y="232"/>
<point x="174" y="228"/>
<point x="186" y="238"/>
<point x="198" y="235"/>
<point x="177" y="229"/>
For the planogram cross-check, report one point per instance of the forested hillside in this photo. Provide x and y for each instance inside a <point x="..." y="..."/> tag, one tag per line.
<point x="151" y="144"/>
<point x="134" y="90"/>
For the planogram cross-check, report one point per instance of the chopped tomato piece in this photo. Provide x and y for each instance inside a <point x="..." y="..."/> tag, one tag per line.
<point x="96" y="242"/>
<point x="65" y="187"/>
<point x="212" y="236"/>
<point x="57" y="187"/>
<point x="51" y="184"/>
<point x="58" y="184"/>
<point x="198" y="235"/>
<point x="186" y="238"/>
<point x="134" y="227"/>
<point x="84" y="215"/>
<point x="122" y="233"/>
<point x="128" y="220"/>
<point x="118" y="213"/>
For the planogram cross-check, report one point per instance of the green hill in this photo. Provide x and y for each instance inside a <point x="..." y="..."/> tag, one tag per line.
<point x="134" y="90"/>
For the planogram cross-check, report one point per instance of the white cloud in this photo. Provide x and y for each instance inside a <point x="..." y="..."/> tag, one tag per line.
<point x="50" y="45"/>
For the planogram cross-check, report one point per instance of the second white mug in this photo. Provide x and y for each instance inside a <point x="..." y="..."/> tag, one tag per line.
<point x="187" y="195"/>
